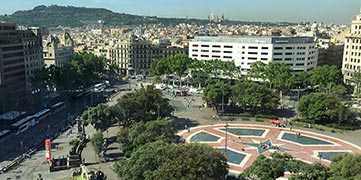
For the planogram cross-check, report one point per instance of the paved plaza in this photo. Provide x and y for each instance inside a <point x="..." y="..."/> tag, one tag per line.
<point x="244" y="142"/>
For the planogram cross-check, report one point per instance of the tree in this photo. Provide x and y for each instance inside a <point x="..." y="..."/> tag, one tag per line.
<point x="145" y="132"/>
<point x="258" y="71"/>
<point x="268" y="168"/>
<point x="100" y="117"/>
<point x="97" y="142"/>
<point x="179" y="63"/>
<point x="315" y="171"/>
<point x="193" y="161"/>
<point x="144" y="161"/>
<point x="215" y="94"/>
<point x="143" y="105"/>
<point x="160" y="160"/>
<point x="356" y="82"/>
<point x="302" y="79"/>
<point x="324" y="108"/>
<point x="279" y="75"/>
<point x="325" y="77"/>
<point x="346" y="166"/>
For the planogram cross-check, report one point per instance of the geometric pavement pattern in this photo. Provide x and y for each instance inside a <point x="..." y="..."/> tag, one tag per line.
<point x="243" y="149"/>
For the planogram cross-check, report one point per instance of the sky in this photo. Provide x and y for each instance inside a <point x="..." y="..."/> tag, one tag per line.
<point x="326" y="11"/>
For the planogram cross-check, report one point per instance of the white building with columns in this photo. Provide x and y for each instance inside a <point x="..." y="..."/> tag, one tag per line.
<point x="299" y="53"/>
<point x="352" y="50"/>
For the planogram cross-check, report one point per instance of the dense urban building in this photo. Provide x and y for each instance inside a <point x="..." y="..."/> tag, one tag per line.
<point x="331" y="56"/>
<point x="134" y="56"/>
<point x="352" y="51"/>
<point x="12" y="64"/>
<point x="33" y="55"/>
<point x="58" y="51"/>
<point x="299" y="53"/>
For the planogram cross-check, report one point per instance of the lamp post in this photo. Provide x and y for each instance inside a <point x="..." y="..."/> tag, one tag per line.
<point x="226" y="126"/>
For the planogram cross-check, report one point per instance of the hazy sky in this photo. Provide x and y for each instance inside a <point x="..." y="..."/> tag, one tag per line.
<point x="327" y="11"/>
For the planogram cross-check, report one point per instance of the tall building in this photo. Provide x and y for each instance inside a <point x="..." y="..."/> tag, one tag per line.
<point x="352" y="51"/>
<point x="20" y="55"/>
<point x="58" y="51"/>
<point x="134" y="56"/>
<point x="299" y="53"/>
<point x="12" y="64"/>
<point x="33" y="54"/>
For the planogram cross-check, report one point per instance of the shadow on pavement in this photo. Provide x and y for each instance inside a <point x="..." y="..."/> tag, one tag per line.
<point x="182" y="123"/>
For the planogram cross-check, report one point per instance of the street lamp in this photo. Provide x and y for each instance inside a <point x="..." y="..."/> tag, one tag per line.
<point x="226" y="126"/>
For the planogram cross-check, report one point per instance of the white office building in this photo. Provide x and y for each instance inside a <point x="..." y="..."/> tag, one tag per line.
<point x="297" y="52"/>
<point x="352" y="51"/>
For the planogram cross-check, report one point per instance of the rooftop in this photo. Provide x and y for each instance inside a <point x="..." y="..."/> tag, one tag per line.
<point x="11" y="115"/>
<point x="255" y="39"/>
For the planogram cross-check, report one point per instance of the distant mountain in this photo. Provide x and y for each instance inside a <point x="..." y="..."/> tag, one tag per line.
<point x="54" y="15"/>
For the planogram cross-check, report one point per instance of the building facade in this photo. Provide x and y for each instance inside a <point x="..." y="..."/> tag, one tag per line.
<point x="12" y="64"/>
<point x="33" y="55"/>
<point x="352" y="51"/>
<point x="135" y="56"/>
<point x="331" y="56"/>
<point x="58" y="51"/>
<point x="299" y="53"/>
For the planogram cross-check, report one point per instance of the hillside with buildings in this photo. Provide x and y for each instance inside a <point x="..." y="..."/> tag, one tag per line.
<point x="54" y="15"/>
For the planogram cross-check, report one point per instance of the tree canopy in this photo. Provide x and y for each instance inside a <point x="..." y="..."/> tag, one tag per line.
<point x="346" y="166"/>
<point x="324" y="108"/>
<point x="325" y="77"/>
<point x="97" y="141"/>
<point x="160" y="160"/>
<point x="99" y="116"/>
<point x="145" y="132"/>
<point x="143" y="105"/>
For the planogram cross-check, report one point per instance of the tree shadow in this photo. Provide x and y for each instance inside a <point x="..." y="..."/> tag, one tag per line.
<point x="287" y="113"/>
<point x="114" y="155"/>
<point x="183" y="123"/>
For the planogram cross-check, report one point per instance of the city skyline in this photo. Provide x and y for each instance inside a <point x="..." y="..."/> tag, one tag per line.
<point x="326" y="11"/>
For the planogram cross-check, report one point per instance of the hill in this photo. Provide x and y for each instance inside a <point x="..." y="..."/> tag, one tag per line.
<point x="54" y="15"/>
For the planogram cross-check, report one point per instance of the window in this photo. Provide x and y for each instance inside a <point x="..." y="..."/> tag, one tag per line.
<point x="264" y="53"/>
<point x="204" y="45"/>
<point x="264" y="59"/>
<point x="227" y="46"/>
<point x="252" y="58"/>
<point x="194" y="50"/>
<point x="194" y="55"/>
<point x="216" y="46"/>
<point x="299" y="64"/>
<point x="288" y="59"/>
<point x="216" y="51"/>
<point x="227" y="57"/>
<point x="204" y="50"/>
<point x="264" y="47"/>
<point x="204" y="55"/>
<point x="252" y="52"/>
<point x="276" y="54"/>
<point x="252" y="47"/>
<point x="289" y="48"/>
<point x="278" y="48"/>
<point x="228" y="52"/>
<point x="277" y="59"/>
<point x="288" y="53"/>
<point x="215" y="56"/>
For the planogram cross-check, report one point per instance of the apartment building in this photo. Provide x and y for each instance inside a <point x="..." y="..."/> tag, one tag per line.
<point x="352" y="51"/>
<point x="12" y="64"/>
<point x="134" y="56"/>
<point x="58" y="50"/>
<point x="33" y="54"/>
<point x="299" y="53"/>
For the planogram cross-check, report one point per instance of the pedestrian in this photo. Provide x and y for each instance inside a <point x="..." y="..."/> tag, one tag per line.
<point x="189" y="130"/>
<point x="185" y="127"/>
